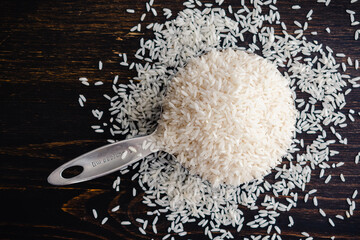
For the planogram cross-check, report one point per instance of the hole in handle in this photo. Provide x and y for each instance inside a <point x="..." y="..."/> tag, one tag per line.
<point x="72" y="171"/>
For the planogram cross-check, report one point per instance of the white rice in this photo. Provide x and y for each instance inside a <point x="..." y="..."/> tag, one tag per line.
<point x="168" y="188"/>
<point x="154" y="229"/>
<point x="305" y="234"/>
<point x="291" y="221"/>
<point x="105" y="219"/>
<point x="315" y="201"/>
<point x="82" y="97"/>
<point x="342" y="177"/>
<point x="225" y="143"/>
<point x="328" y="178"/>
<point x="116" y="208"/>
<point x="95" y="214"/>
<point x="309" y="14"/>
<point x="81" y="103"/>
<point x="355" y="194"/>
<point x="322" y="172"/>
<point x="153" y="10"/>
<point x="133" y="29"/>
<point x="339" y="217"/>
<point x="132" y="149"/>
<point x="340" y="55"/>
<point x="142" y="231"/>
<point x="312" y="191"/>
<point x="124" y="154"/>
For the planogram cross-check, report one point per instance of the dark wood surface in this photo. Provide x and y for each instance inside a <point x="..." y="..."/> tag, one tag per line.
<point x="45" y="46"/>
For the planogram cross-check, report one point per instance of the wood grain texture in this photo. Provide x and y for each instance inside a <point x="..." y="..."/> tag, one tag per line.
<point x="45" y="46"/>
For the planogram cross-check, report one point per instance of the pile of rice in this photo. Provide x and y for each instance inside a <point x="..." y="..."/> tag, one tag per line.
<point x="228" y="116"/>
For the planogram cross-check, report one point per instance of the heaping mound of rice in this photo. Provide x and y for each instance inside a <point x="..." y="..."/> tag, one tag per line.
<point x="228" y="116"/>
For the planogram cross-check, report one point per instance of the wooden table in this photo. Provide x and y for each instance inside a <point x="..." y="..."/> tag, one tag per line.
<point x="45" y="46"/>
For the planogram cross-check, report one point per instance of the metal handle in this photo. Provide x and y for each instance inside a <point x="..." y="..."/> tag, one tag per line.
<point x="105" y="160"/>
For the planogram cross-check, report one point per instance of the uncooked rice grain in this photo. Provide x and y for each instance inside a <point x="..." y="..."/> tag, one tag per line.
<point x="105" y="219"/>
<point x="342" y="177"/>
<point x="339" y="217"/>
<point x="305" y="234"/>
<point x="315" y="201"/>
<point x="355" y="194"/>
<point x="328" y="178"/>
<point x="95" y="214"/>
<point x="116" y="208"/>
<point x="142" y="231"/>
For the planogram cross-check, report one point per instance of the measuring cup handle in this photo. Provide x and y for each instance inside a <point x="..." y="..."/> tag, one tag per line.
<point x="105" y="160"/>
